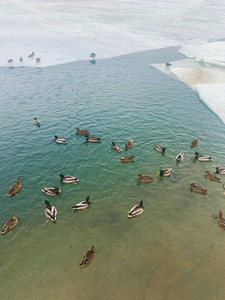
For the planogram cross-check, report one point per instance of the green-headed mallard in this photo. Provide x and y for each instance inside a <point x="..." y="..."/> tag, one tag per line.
<point x="50" y="211"/>
<point x="83" y="204"/>
<point x="92" y="139"/>
<point x="88" y="257"/>
<point x="145" y="178"/>
<point x="220" y="171"/>
<point x="51" y="191"/>
<point x="136" y="210"/>
<point x="202" y="157"/>
<point x="126" y="159"/>
<point x="37" y="122"/>
<point x="14" y="189"/>
<point x="82" y="131"/>
<point x="194" y="143"/>
<point x="129" y="144"/>
<point x="199" y="189"/>
<point x="116" y="147"/>
<point x="212" y="176"/>
<point x="59" y="140"/>
<point x="68" y="179"/>
<point x="10" y="224"/>
<point x="220" y="219"/>
<point x="159" y="148"/>
<point x="165" y="172"/>
<point x="180" y="157"/>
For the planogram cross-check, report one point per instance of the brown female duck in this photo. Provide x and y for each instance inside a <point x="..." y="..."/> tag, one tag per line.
<point x="199" y="189"/>
<point x="212" y="176"/>
<point x="126" y="159"/>
<point x="194" y="143"/>
<point x="10" y="224"/>
<point x="82" y="131"/>
<point x="145" y="178"/>
<point x="220" y="219"/>
<point x="14" y="189"/>
<point x="129" y="144"/>
<point x="88" y="257"/>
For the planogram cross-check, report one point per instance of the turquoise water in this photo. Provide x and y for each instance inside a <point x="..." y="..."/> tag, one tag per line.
<point x="174" y="249"/>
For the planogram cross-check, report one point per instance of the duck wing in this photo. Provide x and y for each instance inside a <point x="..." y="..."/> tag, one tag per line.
<point x="51" y="212"/>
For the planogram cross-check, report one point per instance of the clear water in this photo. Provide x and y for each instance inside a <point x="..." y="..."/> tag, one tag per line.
<point x="174" y="249"/>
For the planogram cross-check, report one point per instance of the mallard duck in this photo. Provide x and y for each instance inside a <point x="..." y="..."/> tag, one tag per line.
<point x="88" y="257"/>
<point x="220" y="219"/>
<point x="145" y="178"/>
<point x="60" y="140"/>
<point x="116" y="147"/>
<point x="194" y="143"/>
<point x="212" y="176"/>
<point x="31" y="55"/>
<point x="82" y="131"/>
<point x="165" y="172"/>
<point x="50" y="211"/>
<point x="202" y="157"/>
<point x="10" y="224"/>
<point x="129" y="144"/>
<point x="220" y="171"/>
<point x="159" y="148"/>
<point x="126" y="159"/>
<point x="51" y="191"/>
<point x="83" y="204"/>
<point x="14" y="189"/>
<point x="199" y="189"/>
<point x="180" y="157"/>
<point x="92" y="139"/>
<point x="68" y="179"/>
<point x="37" y="122"/>
<point x="136" y="210"/>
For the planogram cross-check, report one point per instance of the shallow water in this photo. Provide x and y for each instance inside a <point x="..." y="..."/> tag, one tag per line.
<point x="174" y="249"/>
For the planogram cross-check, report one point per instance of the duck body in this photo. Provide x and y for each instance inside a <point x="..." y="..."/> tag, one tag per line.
<point x="160" y="149"/>
<point x="68" y="179"/>
<point x="180" y="157"/>
<point x="212" y="176"/>
<point x="60" y="140"/>
<point x="145" y="178"/>
<point x="10" y="224"/>
<point x="199" y="189"/>
<point x="166" y="172"/>
<point x="194" y="143"/>
<point x="93" y="139"/>
<point x="14" y="189"/>
<point x="116" y="147"/>
<point x="82" y="204"/>
<point x="202" y="157"/>
<point x="129" y="144"/>
<point x="50" y="211"/>
<point x="38" y="59"/>
<point x="136" y="210"/>
<point x="220" y="219"/>
<point x="126" y="159"/>
<point x="92" y="55"/>
<point x="10" y="60"/>
<point x="31" y="55"/>
<point x="51" y="191"/>
<point x="37" y="122"/>
<point x="220" y="171"/>
<point x="88" y="257"/>
<point x="82" y="131"/>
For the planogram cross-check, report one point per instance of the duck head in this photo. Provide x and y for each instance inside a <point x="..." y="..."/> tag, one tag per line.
<point x="55" y="136"/>
<point x="47" y="203"/>
<point x="57" y="191"/>
<point x="196" y="154"/>
<point x="141" y="203"/>
<point x="61" y="175"/>
<point x="161" y="172"/>
<point x="163" y="149"/>
<point x="88" y="197"/>
<point x="217" y="170"/>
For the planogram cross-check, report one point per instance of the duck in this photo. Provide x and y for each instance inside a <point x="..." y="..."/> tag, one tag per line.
<point x="50" y="211"/>
<point x="92" y="55"/>
<point x="167" y="64"/>
<point x="212" y="176"/>
<point x="180" y="157"/>
<point x="83" y="204"/>
<point x="21" y="59"/>
<point x="165" y="172"/>
<point x="82" y="131"/>
<point x="129" y="144"/>
<point x="38" y="59"/>
<point x="68" y="179"/>
<point x="37" y="122"/>
<point x="14" y="189"/>
<point x="126" y="159"/>
<point x="194" y="143"/>
<point x="10" y="224"/>
<point x="145" y="178"/>
<point x="220" y="171"/>
<point x="51" y="191"/>
<point x="31" y="55"/>
<point x="116" y="147"/>
<point x="202" y="157"/>
<point x="159" y="148"/>
<point x="92" y="139"/>
<point x="136" y="210"/>
<point x="199" y="189"/>
<point x="60" y="140"/>
<point x="10" y="61"/>
<point x="88" y="257"/>
<point x="220" y="219"/>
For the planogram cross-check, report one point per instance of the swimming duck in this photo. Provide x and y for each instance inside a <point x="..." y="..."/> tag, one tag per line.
<point x="194" y="143"/>
<point x="92" y="55"/>
<point x="92" y="139"/>
<point x="10" y="224"/>
<point x="160" y="148"/>
<point x="199" y="189"/>
<point x="220" y="219"/>
<point x="165" y="172"/>
<point x="82" y="131"/>
<point x="14" y="189"/>
<point x="145" y="178"/>
<point x="38" y="59"/>
<point x="202" y="157"/>
<point x="51" y="191"/>
<point x="129" y="144"/>
<point x="68" y="179"/>
<point x="31" y="55"/>
<point x="220" y="171"/>
<point x="116" y="147"/>
<point x="180" y="157"/>
<point x="83" y="204"/>
<point x="88" y="257"/>
<point x="10" y="61"/>
<point x="37" y="122"/>
<point x="60" y="140"/>
<point x="168" y="64"/>
<point x="50" y="211"/>
<point x="212" y="176"/>
<point x="126" y="159"/>
<point x="136" y="210"/>
<point x="21" y="59"/>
